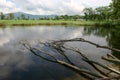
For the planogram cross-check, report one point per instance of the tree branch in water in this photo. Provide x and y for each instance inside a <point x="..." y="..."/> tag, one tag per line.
<point x="60" y="48"/>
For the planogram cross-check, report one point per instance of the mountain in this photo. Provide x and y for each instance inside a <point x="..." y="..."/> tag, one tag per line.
<point x="18" y="14"/>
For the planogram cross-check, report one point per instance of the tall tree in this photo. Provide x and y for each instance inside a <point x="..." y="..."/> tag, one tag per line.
<point x="28" y="18"/>
<point x="2" y="16"/>
<point x="89" y="13"/>
<point x="100" y="13"/>
<point x="23" y="17"/>
<point x="65" y="17"/>
<point x="103" y="13"/>
<point x="18" y="18"/>
<point x="11" y="16"/>
<point x="116" y="9"/>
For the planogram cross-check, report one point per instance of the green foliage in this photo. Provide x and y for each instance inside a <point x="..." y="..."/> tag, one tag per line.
<point x="116" y="9"/>
<point x="103" y="13"/>
<point x="111" y="34"/>
<point x="53" y="22"/>
<point x="100" y="13"/>
<point x="89" y="13"/>
<point x="2" y="16"/>
<point x="18" y="18"/>
<point x="68" y="17"/>
<point x="11" y="16"/>
<point x="108" y="13"/>
<point x="23" y="17"/>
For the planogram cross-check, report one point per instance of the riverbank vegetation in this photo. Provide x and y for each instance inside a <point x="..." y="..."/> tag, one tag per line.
<point x="52" y="22"/>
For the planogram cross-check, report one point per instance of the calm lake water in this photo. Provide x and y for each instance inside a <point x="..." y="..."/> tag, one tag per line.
<point x="16" y="63"/>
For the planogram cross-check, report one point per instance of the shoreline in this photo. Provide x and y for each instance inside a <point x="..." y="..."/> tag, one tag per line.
<point x="53" y="22"/>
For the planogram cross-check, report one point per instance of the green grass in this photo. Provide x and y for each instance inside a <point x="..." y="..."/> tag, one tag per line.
<point x="49" y="22"/>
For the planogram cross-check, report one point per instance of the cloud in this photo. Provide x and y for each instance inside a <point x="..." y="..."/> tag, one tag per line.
<point x="49" y="6"/>
<point x="8" y="6"/>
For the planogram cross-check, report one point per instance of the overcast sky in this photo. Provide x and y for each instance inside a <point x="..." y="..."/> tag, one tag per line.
<point x="48" y="7"/>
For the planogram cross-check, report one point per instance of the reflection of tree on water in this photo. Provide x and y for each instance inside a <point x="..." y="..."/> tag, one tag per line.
<point x="112" y="35"/>
<point x="115" y="40"/>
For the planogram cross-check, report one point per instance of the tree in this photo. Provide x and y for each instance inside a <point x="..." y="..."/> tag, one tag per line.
<point x="2" y="16"/>
<point x="57" y="18"/>
<point x="116" y="9"/>
<point x="18" y="18"/>
<point x="103" y="13"/>
<point x="65" y="17"/>
<point x="11" y="16"/>
<point x="75" y="17"/>
<point x="23" y="17"/>
<point x="100" y="13"/>
<point x="28" y="18"/>
<point x="89" y="13"/>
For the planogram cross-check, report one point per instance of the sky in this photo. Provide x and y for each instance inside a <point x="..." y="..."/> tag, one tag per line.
<point x="49" y="7"/>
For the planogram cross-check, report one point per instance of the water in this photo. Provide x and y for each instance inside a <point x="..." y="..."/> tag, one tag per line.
<point x="18" y="64"/>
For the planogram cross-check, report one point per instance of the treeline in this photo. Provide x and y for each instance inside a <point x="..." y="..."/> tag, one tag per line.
<point x="111" y="12"/>
<point x="69" y="17"/>
<point x="64" y="17"/>
<point x="100" y="13"/>
<point x="11" y="16"/>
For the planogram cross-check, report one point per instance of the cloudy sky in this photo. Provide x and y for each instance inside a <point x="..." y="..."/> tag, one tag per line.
<point x="48" y="7"/>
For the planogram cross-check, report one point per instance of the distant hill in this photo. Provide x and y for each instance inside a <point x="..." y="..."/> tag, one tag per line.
<point x="18" y="14"/>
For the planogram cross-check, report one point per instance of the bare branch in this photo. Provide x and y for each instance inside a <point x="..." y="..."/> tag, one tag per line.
<point x="105" y="67"/>
<point x="110" y="78"/>
<point x="83" y="40"/>
<point x="60" y="48"/>
<point x="85" y="57"/>
<point x="27" y="46"/>
<point x="112" y="60"/>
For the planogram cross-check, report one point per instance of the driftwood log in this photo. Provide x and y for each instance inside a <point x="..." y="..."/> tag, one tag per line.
<point x="60" y="47"/>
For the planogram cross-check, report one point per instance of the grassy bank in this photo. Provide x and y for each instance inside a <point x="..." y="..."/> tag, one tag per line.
<point x="51" y="22"/>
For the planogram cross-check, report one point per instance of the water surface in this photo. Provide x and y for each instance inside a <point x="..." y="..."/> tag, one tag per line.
<point x="16" y="63"/>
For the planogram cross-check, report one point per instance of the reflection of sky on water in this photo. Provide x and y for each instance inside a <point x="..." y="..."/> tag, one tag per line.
<point x="15" y="63"/>
<point x="10" y="34"/>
